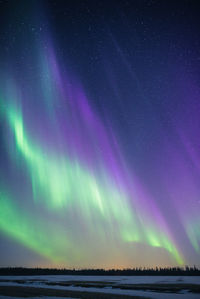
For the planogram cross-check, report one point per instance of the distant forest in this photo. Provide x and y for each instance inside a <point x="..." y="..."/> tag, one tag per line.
<point x="174" y="271"/>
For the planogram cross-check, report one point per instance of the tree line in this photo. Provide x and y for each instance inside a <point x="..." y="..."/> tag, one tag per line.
<point x="169" y="271"/>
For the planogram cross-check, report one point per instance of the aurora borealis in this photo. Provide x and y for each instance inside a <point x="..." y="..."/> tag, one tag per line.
<point x="100" y="147"/>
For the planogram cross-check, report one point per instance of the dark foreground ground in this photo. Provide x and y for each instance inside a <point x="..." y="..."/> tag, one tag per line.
<point x="26" y="292"/>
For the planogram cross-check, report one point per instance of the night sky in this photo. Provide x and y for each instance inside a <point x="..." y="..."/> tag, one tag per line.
<point x="99" y="133"/>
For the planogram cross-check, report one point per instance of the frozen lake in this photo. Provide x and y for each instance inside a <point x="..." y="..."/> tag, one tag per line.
<point x="122" y="285"/>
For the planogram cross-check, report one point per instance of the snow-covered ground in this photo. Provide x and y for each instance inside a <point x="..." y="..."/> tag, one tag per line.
<point x="40" y="281"/>
<point x="116" y="279"/>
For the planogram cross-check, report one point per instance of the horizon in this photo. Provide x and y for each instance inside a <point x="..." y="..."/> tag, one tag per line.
<point x="183" y="268"/>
